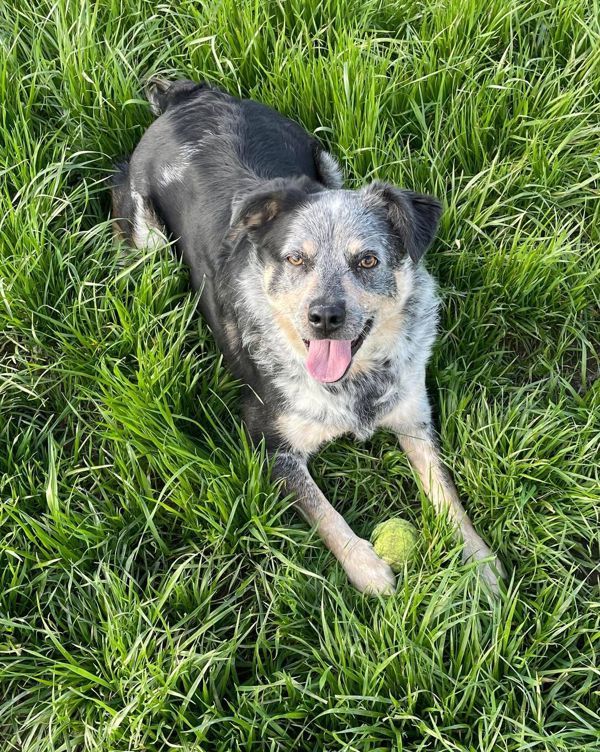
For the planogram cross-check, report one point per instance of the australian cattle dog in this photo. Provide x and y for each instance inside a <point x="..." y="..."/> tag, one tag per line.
<point x="316" y="294"/>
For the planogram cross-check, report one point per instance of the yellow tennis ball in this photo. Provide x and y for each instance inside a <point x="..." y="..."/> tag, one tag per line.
<point x="395" y="541"/>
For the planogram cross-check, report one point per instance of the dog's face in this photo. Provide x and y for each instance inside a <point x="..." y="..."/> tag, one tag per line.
<point x="337" y="265"/>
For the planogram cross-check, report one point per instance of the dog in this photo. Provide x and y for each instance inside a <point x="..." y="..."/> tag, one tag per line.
<point x="316" y="294"/>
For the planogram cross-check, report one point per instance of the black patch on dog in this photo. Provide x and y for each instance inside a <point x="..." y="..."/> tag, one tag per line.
<point x="414" y="217"/>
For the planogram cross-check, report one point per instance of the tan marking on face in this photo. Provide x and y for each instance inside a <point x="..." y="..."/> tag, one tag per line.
<point x="268" y="276"/>
<point x="286" y="303"/>
<point x="355" y="246"/>
<point x="309" y="247"/>
<point x="303" y="434"/>
<point x="290" y="333"/>
<point x="286" y="307"/>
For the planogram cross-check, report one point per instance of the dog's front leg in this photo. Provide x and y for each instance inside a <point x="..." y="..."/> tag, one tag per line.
<point x="417" y="439"/>
<point x="366" y="571"/>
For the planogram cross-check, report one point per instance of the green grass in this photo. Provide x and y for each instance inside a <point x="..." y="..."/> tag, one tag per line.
<point x="155" y="592"/>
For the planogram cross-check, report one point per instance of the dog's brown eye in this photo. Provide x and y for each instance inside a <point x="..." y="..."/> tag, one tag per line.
<point x="295" y="259"/>
<point x="368" y="262"/>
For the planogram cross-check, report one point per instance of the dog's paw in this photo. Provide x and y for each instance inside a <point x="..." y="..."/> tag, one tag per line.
<point x="489" y="566"/>
<point x="366" y="571"/>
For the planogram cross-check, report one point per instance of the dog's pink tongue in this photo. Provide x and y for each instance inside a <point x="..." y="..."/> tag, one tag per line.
<point x="328" y="359"/>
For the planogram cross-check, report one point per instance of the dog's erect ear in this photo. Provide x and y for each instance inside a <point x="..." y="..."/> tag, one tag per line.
<point x="254" y="211"/>
<point x="414" y="216"/>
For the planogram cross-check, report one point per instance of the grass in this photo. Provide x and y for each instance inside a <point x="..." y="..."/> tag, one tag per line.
<point x="155" y="591"/>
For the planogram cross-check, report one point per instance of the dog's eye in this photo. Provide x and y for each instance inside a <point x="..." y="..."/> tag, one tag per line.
<point x="368" y="262"/>
<point x="295" y="259"/>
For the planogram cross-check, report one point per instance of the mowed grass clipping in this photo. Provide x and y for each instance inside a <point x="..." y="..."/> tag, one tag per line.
<point x="156" y="593"/>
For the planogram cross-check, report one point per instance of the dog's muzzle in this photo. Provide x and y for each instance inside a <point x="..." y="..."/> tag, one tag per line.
<point x="329" y="359"/>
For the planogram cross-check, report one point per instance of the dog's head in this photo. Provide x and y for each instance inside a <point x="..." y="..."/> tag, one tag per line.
<point x="338" y="265"/>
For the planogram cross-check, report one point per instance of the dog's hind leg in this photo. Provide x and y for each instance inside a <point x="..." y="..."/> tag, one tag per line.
<point x="417" y="438"/>
<point x="134" y="219"/>
<point x="365" y="570"/>
<point x="148" y="231"/>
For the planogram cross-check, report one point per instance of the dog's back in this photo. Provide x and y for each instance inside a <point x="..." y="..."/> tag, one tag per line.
<point x="267" y="144"/>
<point x="205" y="148"/>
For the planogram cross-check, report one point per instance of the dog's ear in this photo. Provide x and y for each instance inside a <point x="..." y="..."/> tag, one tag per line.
<point x="253" y="212"/>
<point x="414" y="217"/>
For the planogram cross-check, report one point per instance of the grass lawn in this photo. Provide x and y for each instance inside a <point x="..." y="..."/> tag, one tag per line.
<point x="155" y="591"/>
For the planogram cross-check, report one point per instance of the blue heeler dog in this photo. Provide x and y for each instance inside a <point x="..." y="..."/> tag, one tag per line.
<point x="316" y="294"/>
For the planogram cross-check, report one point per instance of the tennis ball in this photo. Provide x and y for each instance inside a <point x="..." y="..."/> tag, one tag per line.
<point x="395" y="541"/>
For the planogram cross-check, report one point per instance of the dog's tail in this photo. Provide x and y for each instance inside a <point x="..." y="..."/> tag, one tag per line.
<point x="163" y="94"/>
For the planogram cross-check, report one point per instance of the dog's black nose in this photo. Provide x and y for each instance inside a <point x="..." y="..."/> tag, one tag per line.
<point x="326" y="318"/>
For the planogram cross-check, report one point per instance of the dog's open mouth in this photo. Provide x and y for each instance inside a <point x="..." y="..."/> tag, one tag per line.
<point x="329" y="359"/>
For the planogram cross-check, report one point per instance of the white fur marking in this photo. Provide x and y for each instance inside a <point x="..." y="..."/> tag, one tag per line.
<point x="147" y="233"/>
<point x="171" y="173"/>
